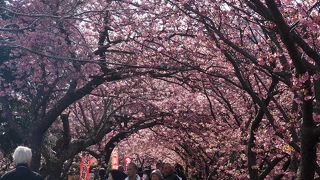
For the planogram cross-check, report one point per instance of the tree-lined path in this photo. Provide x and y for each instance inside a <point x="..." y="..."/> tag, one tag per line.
<point x="228" y="88"/>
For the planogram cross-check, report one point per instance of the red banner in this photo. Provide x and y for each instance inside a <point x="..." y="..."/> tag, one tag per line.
<point x="115" y="159"/>
<point x="127" y="160"/>
<point x="85" y="168"/>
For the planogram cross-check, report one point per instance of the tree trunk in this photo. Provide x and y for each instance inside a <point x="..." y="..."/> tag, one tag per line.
<point x="108" y="151"/>
<point x="36" y="146"/>
<point x="252" y="159"/>
<point x="308" y="154"/>
<point x="308" y="141"/>
<point x="54" y="171"/>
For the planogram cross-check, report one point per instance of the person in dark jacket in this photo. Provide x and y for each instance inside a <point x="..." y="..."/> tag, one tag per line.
<point x="116" y="175"/>
<point x="168" y="172"/>
<point x="180" y="172"/>
<point x="22" y="158"/>
<point x="102" y="174"/>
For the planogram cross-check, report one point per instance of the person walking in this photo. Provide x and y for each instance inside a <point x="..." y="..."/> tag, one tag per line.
<point x="102" y="174"/>
<point x="133" y="172"/>
<point x="156" y="175"/>
<point x="180" y="171"/>
<point x="22" y="158"/>
<point x="116" y="175"/>
<point x="168" y="172"/>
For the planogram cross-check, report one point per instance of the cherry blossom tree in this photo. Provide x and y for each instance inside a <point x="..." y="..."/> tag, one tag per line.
<point x="90" y="123"/>
<point x="57" y="52"/>
<point x="273" y="63"/>
<point x="269" y="54"/>
<point x="238" y="81"/>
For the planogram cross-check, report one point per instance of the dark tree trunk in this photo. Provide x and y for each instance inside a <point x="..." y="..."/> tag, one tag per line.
<point x="308" y="146"/>
<point x="308" y="154"/>
<point x="36" y="146"/>
<point x="252" y="159"/>
<point x="53" y="171"/>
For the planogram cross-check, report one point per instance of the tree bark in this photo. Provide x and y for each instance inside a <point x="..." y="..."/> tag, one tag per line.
<point x="36" y="146"/>
<point x="253" y="173"/>
<point x="308" y="144"/>
<point x="53" y="171"/>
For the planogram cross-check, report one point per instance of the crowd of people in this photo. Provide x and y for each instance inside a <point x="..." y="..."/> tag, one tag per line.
<point x="164" y="171"/>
